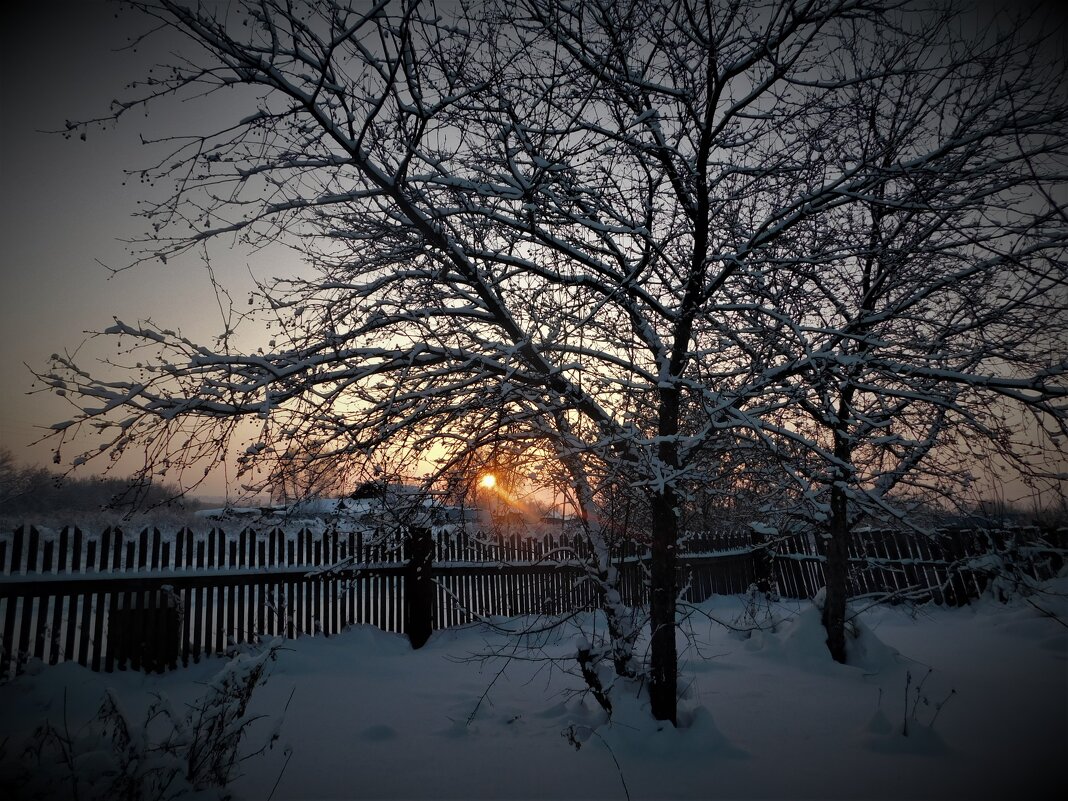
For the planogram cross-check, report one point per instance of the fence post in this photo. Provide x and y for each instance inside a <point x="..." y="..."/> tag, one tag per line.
<point x="762" y="566"/>
<point x="419" y="587"/>
<point x="144" y="629"/>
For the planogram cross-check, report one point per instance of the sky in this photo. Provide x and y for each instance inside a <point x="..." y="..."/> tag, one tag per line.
<point x="67" y="206"/>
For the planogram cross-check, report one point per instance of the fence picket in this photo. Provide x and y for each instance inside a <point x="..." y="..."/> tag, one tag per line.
<point x="56" y="630"/>
<point x="7" y="652"/>
<point x="32" y="546"/>
<point x="85" y="626"/>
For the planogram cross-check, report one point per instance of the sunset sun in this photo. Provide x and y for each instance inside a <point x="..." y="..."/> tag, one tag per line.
<point x="489" y="481"/>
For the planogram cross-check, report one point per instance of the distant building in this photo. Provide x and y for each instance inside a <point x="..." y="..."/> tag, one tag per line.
<point x="372" y="505"/>
<point x="378" y="504"/>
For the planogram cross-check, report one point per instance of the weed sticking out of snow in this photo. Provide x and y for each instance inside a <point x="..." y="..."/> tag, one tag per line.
<point x="171" y="751"/>
<point x="915" y="732"/>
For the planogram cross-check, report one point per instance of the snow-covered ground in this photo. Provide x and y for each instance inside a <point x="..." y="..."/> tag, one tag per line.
<point x="766" y="715"/>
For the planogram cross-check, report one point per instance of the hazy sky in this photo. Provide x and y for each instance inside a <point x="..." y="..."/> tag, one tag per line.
<point x="65" y="206"/>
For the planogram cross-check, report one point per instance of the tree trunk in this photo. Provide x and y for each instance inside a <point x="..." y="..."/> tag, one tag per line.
<point x="419" y="589"/>
<point x="663" y="668"/>
<point x="836" y="571"/>
<point x="605" y="576"/>
<point x="619" y="619"/>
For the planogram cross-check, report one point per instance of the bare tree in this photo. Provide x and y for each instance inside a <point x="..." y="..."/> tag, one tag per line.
<point x="11" y="478"/>
<point x="928" y="318"/>
<point x="605" y="229"/>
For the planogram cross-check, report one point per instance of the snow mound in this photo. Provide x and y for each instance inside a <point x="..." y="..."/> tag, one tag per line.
<point x="886" y="737"/>
<point x="802" y="643"/>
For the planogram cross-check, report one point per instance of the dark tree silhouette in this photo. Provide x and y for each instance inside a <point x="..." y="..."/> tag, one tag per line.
<point x="628" y="235"/>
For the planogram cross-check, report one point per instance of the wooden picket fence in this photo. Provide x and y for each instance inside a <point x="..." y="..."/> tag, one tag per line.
<point x="150" y="600"/>
<point x="127" y="599"/>
<point x="951" y="566"/>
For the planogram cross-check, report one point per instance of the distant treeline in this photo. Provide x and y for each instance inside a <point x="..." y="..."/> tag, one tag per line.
<point x="37" y="490"/>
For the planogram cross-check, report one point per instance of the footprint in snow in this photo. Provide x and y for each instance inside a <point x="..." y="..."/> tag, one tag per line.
<point x="378" y="733"/>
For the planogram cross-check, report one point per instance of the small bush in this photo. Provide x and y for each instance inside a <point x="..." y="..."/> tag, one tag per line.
<point x="170" y="755"/>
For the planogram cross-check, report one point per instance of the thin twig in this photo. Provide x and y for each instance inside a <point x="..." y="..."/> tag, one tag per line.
<point x="289" y="755"/>
<point x="1046" y="612"/>
<point x="471" y="717"/>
